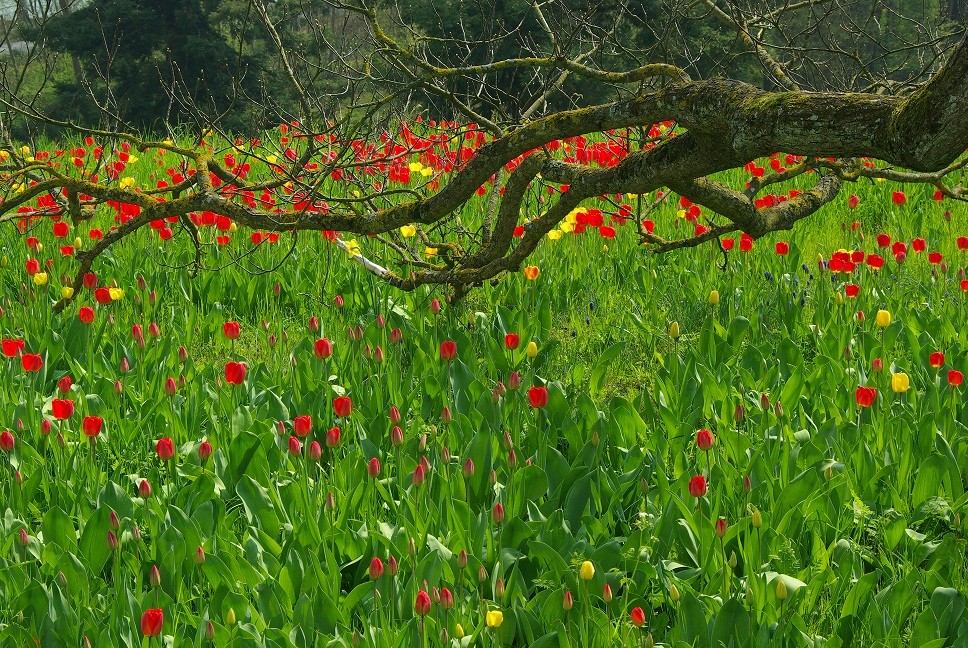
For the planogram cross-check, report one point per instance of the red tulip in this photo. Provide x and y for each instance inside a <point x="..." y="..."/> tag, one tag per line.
<point x="422" y="604"/>
<point x="851" y="290"/>
<point x="165" y="448"/>
<point x="419" y="473"/>
<point x="898" y="198"/>
<point x="883" y="240"/>
<point x="295" y="446"/>
<point x="151" y="622"/>
<point x="92" y="425"/>
<point x="705" y="440"/>
<point x="235" y="373"/>
<point x="448" y="350"/>
<point x="7" y="442"/>
<point x="963" y="243"/>
<point x="376" y="568"/>
<point x="865" y="396"/>
<point x="538" y="397"/>
<point x="12" y="348"/>
<point x="394" y="414"/>
<point x="512" y="341"/>
<point x="721" y="527"/>
<point x="102" y="296"/>
<point x="919" y="245"/>
<point x="33" y="266"/>
<point x="937" y="359"/>
<point x="144" y="489"/>
<point x="85" y="314"/>
<point x="90" y="280"/>
<point x="934" y="258"/>
<point x="697" y="486"/>
<point x="332" y="437"/>
<point x="323" y="348"/>
<point x="373" y="468"/>
<point x="31" y="361"/>
<point x="567" y="601"/>
<point x="853" y="201"/>
<point x="955" y="377"/>
<point x="64" y="384"/>
<point x="638" y="617"/>
<point x="232" y="330"/>
<point x="62" y="408"/>
<point x="782" y="248"/>
<point x="315" y="451"/>
<point x="498" y="513"/>
<point x="343" y="406"/>
<point x="745" y="242"/>
<point x="204" y="450"/>
<point x="302" y="425"/>
<point x="170" y="386"/>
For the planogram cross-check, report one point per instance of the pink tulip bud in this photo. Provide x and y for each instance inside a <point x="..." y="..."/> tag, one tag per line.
<point x="514" y="381"/>
<point x="125" y="367"/>
<point x="435" y="306"/>
<point x="313" y="324"/>
<point x="155" y="576"/>
<point x="469" y="468"/>
<point x="24" y="538"/>
<point x="315" y="451"/>
<point x="144" y="489"/>
<point x="170" y="387"/>
<point x="396" y="436"/>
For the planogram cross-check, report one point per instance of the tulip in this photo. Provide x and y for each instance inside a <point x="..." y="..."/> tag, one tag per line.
<point x="514" y="381"/>
<point x="204" y="450"/>
<point x="900" y="383"/>
<point x="448" y="350"/>
<point x="638" y="617"/>
<point x="422" y="603"/>
<point x="144" y="489"/>
<point x="199" y="555"/>
<point x="165" y="448"/>
<point x="865" y="396"/>
<point x="373" y="468"/>
<point x="232" y="330"/>
<point x="531" y="350"/>
<point x="714" y="297"/>
<point x="235" y="373"/>
<point x="757" y="519"/>
<point x="883" y="318"/>
<point x="376" y="568"/>
<point x="315" y="451"/>
<point x="7" y="441"/>
<point x="697" y="486"/>
<point x="154" y="576"/>
<point x="498" y="513"/>
<point x="607" y="593"/>
<point x="511" y="341"/>
<point x="343" y="406"/>
<point x="152" y="621"/>
<point x="955" y="378"/>
<point x="674" y="330"/>
<point x="323" y="348"/>
<point x="936" y="360"/>
<point x="538" y="397"/>
<point x="295" y="446"/>
<point x="446" y="598"/>
<point x="781" y="590"/>
<point x="62" y="408"/>
<point x="302" y="425"/>
<point x="721" y="527"/>
<point x="567" y="601"/>
<point x="705" y="440"/>
<point x="494" y="619"/>
<point x="92" y="426"/>
<point x="587" y="571"/>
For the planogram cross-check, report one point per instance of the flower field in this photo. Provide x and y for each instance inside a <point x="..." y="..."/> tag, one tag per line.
<point x="750" y="443"/>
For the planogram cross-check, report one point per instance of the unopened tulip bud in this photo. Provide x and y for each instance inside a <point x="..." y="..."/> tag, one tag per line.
<point x="828" y="473"/>
<point x="210" y="631"/>
<point x="506" y="440"/>
<point x="778" y="409"/>
<point x="152" y="298"/>
<point x="607" y="593"/>
<point x="757" y="519"/>
<point x="877" y="365"/>
<point x="674" y="593"/>
<point x="764" y="402"/>
<point x="125" y="367"/>
<point x="498" y="513"/>
<point x="644" y="484"/>
<point x="45" y="427"/>
<point x="493" y="477"/>
<point x="112" y="541"/>
<point x="445" y="455"/>
<point x="747" y="483"/>
<point x="18" y="477"/>
<point x="392" y="566"/>
<point x="315" y="451"/>
<point x="313" y="324"/>
<point x="330" y="501"/>
<point x="170" y="387"/>
<point x="499" y="589"/>
<point x="445" y="415"/>
<point x="423" y="443"/>
<point x="781" y="590"/>
<point x="732" y="560"/>
<point x="118" y="387"/>
<point x="568" y="601"/>
<point x="462" y="559"/>
<point x="512" y="459"/>
<point x="24" y="538"/>
<point x="514" y="381"/>
<point x="481" y="574"/>
<point x="113" y="521"/>
<point x="136" y="533"/>
<point x="396" y="335"/>
<point x="155" y="576"/>
<point x="144" y="489"/>
<point x="230" y="617"/>
<point x="739" y="414"/>
<point x="435" y="306"/>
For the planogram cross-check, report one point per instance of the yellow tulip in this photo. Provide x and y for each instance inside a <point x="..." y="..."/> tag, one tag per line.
<point x="714" y="297"/>
<point x="674" y="330"/>
<point x="838" y="298"/>
<point x="408" y="230"/>
<point x="494" y="619"/>
<point x="757" y="519"/>
<point x="674" y="593"/>
<point x="426" y="172"/>
<point x="781" y="590"/>
<point x="233" y="227"/>
<point x="116" y="293"/>
<point x="459" y="631"/>
<point x="883" y="318"/>
<point x="40" y="278"/>
<point x="431" y="252"/>
<point x="554" y="234"/>
<point x="900" y="383"/>
<point x="4" y="261"/>
<point x="78" y="242"/>
<point x="567" y="227"/>
<point x="587" y="571"/>
<point x="604" y="249"/>
<point x="67" y="292"/>
<point x="415" y="166"/>
<point x="230" y="617"/>
<point x="352" y="249"/>
<point x="531" y="349"/>
<point x="126" y="182"/>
